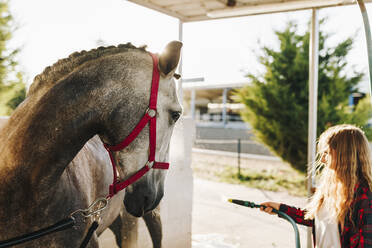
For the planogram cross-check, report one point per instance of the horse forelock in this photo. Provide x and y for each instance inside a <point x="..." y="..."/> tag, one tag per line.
<point x="63" y="67"/>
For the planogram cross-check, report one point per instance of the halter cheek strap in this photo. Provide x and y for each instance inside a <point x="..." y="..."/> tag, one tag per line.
<point x="149" y="117"/>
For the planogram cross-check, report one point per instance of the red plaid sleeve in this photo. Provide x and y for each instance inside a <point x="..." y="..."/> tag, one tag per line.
<point x="366" y="228"/>
<point x="297" y="215"/>
<point x="363" y="207"/>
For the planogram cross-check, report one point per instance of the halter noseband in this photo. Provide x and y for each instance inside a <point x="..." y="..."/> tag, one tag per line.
<point x="149" y="117"/>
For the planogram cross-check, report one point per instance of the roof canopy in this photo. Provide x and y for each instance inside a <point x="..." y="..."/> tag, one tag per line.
<point x="199" y="10"/>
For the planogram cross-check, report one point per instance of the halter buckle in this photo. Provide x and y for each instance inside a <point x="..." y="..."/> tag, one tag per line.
<point x="150" y="164"/>
<point x="151" y="112"/>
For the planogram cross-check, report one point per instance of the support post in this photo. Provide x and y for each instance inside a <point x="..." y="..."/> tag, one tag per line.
<point x="313" y="102"/>
<point x="239" y="151"/>
<point x="179" y="82"/>
<point x="224" y="102"/>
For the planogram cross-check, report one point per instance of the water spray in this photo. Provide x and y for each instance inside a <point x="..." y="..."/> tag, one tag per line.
<point x="279" y="213"/>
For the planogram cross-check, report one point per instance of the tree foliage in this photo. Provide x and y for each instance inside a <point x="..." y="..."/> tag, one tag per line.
<point x="276" y="102"/>
<point x="12" y="86"/>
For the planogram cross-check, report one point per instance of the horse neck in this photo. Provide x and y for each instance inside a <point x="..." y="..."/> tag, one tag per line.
<point x="44" y="134"/>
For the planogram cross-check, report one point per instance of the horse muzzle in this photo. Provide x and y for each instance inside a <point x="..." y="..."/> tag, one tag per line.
<point x="138" y="204"/>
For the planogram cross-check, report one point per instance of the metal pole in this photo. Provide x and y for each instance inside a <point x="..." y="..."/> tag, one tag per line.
<point x="313" y="102"/>
<point x="179" y="83"/>
<point x="193" y="96"/>
<point x="368" y="38"/>
<point x="239" y="150"/>
<point x="224" y="101"/>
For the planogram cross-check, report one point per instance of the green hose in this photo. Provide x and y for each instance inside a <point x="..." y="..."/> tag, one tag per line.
<point x="280" y="213"/>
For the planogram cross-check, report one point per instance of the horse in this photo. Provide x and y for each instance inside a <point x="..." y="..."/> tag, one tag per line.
<point x="102" y="92"/>
<point x="124" y="227"/>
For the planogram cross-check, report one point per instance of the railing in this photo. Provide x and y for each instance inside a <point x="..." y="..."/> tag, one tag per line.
<point x="225" y="141"/>
<point x="218" y="117"/>
<point x="238" y="151"/>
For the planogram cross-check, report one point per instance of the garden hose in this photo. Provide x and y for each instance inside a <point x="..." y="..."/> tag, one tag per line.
<point x="280" y="213"/>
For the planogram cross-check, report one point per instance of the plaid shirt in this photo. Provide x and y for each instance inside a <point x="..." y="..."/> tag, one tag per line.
<point x="358" y="237"/>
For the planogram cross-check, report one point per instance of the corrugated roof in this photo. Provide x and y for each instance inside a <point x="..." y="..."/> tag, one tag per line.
<point x="198" y="10"/>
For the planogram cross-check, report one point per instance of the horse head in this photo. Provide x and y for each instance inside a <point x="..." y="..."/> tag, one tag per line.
<point x="145" y="194"/>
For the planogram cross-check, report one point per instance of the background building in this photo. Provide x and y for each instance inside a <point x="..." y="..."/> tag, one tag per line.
<point x="212" y="104"/>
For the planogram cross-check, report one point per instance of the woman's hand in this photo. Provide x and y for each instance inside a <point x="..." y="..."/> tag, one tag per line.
<point x="269" y="207"/>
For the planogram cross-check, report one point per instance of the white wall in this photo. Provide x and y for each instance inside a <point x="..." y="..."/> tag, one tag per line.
<point x="176" y="206"/>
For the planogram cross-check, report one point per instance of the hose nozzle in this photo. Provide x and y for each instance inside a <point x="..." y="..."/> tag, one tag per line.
<point x="244" y="203"/>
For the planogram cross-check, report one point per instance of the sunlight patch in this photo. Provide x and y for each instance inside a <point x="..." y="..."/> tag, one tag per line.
<point x="210" y="241"/>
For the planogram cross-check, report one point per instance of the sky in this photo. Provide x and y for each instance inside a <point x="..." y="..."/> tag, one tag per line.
<point x="220" y="51"/>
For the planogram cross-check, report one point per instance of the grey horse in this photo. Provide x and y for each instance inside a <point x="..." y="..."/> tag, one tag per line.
<point x="125" y="226"/>
<point x="102" y="92"/>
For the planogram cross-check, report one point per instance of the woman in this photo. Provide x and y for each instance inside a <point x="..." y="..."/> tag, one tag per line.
<point x="340" y="211"/>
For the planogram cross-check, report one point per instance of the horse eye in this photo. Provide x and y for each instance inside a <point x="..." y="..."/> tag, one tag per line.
<point x="176" y="76"/>
<point x="175" y="115"/>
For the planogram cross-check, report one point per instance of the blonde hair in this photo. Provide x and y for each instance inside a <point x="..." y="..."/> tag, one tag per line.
<point x="348" y="164"/>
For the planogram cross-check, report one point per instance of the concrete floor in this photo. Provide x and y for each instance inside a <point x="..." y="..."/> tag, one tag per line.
<point x="217" y="223"/>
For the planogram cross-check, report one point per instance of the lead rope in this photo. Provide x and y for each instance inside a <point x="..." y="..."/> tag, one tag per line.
<point x="89" y="234"/>
<point x="59" y="226"/>
<point x="94" y="211"/>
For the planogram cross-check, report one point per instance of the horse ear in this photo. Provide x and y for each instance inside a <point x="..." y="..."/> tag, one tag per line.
<point x="170" y="56"/>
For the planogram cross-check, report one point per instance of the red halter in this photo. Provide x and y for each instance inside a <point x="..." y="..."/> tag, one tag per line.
<point x="149" y="117"/>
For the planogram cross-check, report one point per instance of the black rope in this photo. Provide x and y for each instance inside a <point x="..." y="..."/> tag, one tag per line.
<point x="89" y="235"/>
<point x="59" y="226"/>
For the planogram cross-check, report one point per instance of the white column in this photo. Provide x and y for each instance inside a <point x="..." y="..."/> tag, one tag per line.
<point x="313" y="102"/>
<point x="179" y="82"/>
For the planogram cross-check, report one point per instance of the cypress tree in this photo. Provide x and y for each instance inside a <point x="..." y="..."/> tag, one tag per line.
<point x="276" y="102"/>
<point x="12" y="87"/>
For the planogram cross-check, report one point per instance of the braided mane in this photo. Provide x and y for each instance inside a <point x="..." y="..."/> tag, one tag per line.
<point x="63" y="67"/>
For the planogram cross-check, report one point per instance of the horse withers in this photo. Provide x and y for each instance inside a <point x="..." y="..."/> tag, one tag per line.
<point x="104" y="91"/>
